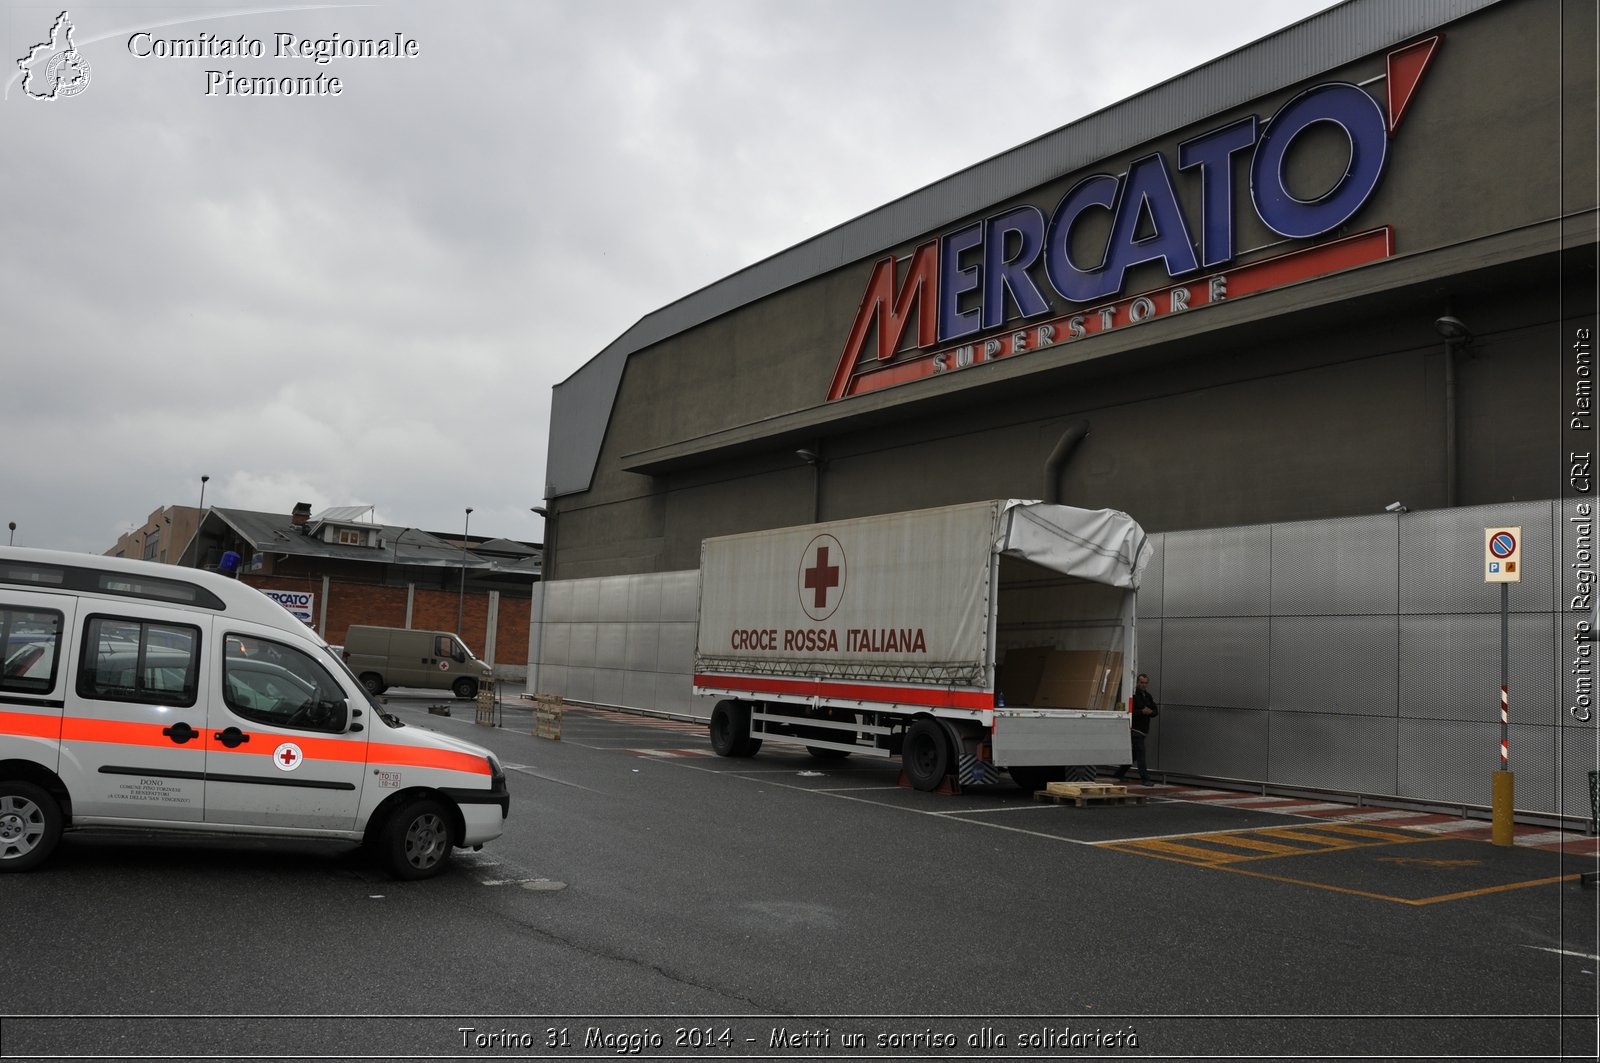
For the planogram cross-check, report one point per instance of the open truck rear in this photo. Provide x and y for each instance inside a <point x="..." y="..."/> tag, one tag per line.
<point x="965" y="639"/>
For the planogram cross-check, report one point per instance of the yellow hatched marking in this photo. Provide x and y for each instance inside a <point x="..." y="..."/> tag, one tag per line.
<point x="1258" y="845"/>
<point x="1374" y="832"/>
<point x="1192" y="853"/>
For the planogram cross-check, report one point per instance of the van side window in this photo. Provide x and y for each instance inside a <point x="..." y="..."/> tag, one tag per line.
<point x="444" y="646"/>
<point x="30" y="641"/>
<point x="275" y="684"/>
<point x="139" y="660"/>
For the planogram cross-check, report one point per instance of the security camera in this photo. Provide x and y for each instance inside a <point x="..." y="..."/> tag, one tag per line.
<point x="1395" y="507"/>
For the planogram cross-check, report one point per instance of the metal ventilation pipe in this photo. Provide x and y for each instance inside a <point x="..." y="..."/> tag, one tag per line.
<point x="1074" y="434"/>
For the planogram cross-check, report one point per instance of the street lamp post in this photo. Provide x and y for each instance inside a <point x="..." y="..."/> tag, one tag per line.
<point x="461" y="599"/>
<point x="203" y="480"/>
<point x="12" y="537"/>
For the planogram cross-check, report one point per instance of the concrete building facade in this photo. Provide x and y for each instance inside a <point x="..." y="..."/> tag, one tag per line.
<point x="1347" y="267"/>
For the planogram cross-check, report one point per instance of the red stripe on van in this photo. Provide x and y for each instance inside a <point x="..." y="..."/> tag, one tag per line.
<point x="420" y="757"/>
<point x="31" y="724"/>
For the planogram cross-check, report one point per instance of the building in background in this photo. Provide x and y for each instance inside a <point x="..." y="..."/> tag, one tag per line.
<point x="335" y="568"/>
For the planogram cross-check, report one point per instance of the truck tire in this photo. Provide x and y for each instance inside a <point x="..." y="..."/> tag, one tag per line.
<point x="416" y="842"/>
<point x="926" y="754"/>
<point x="465" y="687"/>
<point x="1034" y="778"/>
<point x="30" y="826"/>
<point x="730" y="730"/>
<point x="373" y="682"/>
<point x="822" y="753"/>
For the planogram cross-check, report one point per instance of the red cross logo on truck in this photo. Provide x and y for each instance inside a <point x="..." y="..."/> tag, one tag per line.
<point x="822" y="576"/>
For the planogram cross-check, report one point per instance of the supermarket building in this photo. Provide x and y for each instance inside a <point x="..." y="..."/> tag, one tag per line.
<point x="1316" y="314"/>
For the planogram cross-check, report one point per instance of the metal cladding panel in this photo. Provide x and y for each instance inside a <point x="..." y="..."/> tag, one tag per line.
<point x="553" y="679"/>
<point x="1218" y="661"/>
<point x="613" y="591"/>
<point x="680" y="595"/>
<point x="585" y="642"/>
<point x="1226" y="743"/>
<point x="638" y="689"/>
<point x="1577" y="759"/>
<point x="1442" y="554"/>
<point x="644" y="598"/>
<point x="586" y="599"/>
<point x="643" y="646"/>
<point x="1149" y="600"/>
<point x="1336" y="567"/>
<point x="580" y="684"/>
<point x="676" y="653"/>
<point x="562" y="604"/>
<point x="1450" y="667"/>
<point x="611" y="644"/>
<point x="1446" y="760"/>
<point x="675" y="693"/>
<point x="1219" y="572"/>
<point x="557" y="647"/>
<point x="608" y="686"/>
<point x="1333" y="751"/>
<point x="1338" y="664"/>
<point x="1150" y="655"/>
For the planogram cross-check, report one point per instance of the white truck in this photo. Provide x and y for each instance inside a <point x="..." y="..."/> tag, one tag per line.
<point x="965" y="640"/>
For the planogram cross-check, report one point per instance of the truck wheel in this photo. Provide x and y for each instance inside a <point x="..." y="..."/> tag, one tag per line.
<point x="30" y="826"/>
<point x="1034" y="779"/>
<point x="416" y="840"/>
<point x="373" y="682"/>
<point x="926" y="754"/>
<point x="730" y="730"/>
<point x="465" y="688"/>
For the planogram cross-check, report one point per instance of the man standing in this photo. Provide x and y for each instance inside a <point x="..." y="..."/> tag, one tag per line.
<point x="1144" y="711"/>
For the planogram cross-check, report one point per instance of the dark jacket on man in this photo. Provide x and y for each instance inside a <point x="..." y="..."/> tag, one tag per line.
<point x="1143" y="699"/>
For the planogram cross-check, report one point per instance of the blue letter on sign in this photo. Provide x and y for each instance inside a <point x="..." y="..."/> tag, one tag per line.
<point x="1353" y="111"/>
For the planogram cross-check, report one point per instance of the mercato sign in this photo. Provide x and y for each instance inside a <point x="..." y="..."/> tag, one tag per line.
<point x="983" y="277"/>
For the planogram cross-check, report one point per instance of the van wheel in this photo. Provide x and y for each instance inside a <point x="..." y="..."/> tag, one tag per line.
<point x="374" y="683"/>
<point x="926" y="755"/>
<point x="30" y="826"/>
<point x="465" y="688"/>
<point x="416" y="840"/>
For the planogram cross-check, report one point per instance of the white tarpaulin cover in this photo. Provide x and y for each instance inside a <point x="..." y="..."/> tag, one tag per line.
<point x="1098" y="545"/>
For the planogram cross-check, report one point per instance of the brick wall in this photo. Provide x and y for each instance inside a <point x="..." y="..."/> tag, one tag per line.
<point x="361" y="603"/>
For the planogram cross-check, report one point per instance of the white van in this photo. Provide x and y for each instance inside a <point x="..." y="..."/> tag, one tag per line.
<point x="146" y="696"/>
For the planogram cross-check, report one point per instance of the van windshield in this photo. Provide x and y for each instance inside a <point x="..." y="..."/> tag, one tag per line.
<point x="378" y="710"/>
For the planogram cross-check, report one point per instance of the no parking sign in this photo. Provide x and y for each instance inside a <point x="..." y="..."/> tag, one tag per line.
<point x="1502" y="555"/>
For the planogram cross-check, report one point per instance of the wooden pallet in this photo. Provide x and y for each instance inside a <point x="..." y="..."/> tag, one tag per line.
<point x="1085" y="800"/>
<point x="484" y="712"/>
<point x="1086" y="789"/>
<point x="547" y="711"/>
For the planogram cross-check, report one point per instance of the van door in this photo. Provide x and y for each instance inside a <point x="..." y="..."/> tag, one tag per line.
<point x="412" y="654"/>
<point x="285" y="749"/>
<point x="132" y="744"/>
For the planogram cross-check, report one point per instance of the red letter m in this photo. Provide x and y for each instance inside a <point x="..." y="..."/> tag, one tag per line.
<point x="891" y="312"/>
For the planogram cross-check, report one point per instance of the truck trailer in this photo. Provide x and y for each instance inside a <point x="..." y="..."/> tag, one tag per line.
<point x="965" y="640"/>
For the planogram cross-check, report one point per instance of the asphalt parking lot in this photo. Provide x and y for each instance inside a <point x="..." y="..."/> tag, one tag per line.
<point x="646" y="886"/>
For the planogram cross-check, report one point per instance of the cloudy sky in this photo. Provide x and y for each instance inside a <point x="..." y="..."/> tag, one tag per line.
<point x="364" y="299"/>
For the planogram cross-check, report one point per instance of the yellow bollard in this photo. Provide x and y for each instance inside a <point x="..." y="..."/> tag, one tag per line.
<point x="1502" y="808"/>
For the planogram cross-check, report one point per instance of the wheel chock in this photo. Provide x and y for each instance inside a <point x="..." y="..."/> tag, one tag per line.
<point x="950" y="787"/>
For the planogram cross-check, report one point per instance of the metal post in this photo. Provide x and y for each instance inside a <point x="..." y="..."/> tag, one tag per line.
<point x="461" y="599"/>
<point x="1503" y="792"/>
